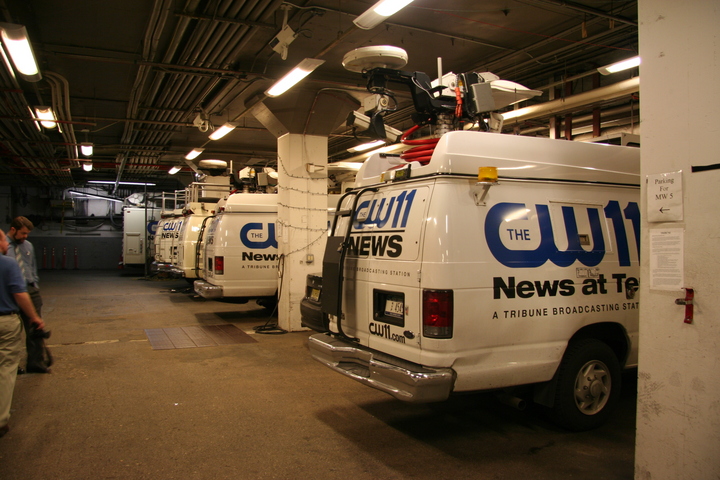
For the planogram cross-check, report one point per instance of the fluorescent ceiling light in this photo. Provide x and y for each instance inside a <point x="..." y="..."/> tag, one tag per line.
<point x="92" y="195"/>
<point x="222" y="131"/>
<point x="17" y="43"/>
<point x="112" y="182"/>
<point x="86" y="148"/>
<point x="194" y="153"/>
<point x="46" y="116"/>
<point x="87" y="166"/>
<point x="366" y="146"/>
<point x="376" y="14"/>
<point x="620" y="66"/>
<point x="303" y="69"/>
<point x="174" y="170"/>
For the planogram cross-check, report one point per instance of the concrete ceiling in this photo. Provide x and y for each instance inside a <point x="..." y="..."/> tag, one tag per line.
<point x="132" y="76"/>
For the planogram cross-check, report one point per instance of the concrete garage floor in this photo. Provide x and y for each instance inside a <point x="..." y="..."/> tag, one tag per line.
<point x="114" y="408"/>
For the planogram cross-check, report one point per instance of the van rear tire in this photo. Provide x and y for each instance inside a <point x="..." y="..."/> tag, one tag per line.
<point x="588" y="385"/>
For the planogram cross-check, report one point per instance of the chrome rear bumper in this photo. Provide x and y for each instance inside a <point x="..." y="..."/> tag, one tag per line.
<point x="403" y="380"/>
<point x="207" y="290"/>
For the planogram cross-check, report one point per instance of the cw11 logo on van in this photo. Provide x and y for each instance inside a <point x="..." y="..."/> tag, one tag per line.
<point x="379" y="224"/>
<point x="516" y="241"/>
<point x="171" y="229"/>
<point x="258" y="236"/>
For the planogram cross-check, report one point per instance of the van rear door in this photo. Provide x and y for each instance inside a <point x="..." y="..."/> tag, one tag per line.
<point x="381" y="295"/>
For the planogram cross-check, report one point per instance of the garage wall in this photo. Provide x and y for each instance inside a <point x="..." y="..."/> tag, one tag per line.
<point x="678" y="422"/>
<point x="69" y="234"/>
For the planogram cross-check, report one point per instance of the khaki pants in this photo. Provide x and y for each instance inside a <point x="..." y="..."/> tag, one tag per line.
<point x="10" y="347"/>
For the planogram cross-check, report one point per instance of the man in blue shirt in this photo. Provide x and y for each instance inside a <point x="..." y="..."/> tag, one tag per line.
<point x="13" y="296"/>
<point x="24" y="254"/>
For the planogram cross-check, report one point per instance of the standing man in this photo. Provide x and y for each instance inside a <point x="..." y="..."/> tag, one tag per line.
<point x="24" y="254"/>
<point x="13" y="295"/>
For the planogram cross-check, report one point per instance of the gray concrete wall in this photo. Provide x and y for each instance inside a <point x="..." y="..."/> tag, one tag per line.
<point x="81" y="230"/>
<point x="678" y="418"/>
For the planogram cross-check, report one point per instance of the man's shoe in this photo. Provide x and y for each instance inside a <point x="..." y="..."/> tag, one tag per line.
<point x="4" y="429"/>
<point x="38" y="370"/>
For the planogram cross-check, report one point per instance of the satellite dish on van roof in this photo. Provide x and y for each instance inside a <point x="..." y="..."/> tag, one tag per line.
<point x="212" y="164"/>
<point x="365" y="58"/>
<point x="213" y="167"/>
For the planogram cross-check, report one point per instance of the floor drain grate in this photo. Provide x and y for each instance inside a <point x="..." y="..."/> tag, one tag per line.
<point x="196" y="336"/>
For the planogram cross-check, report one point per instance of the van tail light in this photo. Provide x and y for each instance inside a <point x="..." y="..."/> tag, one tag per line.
<point x="437" y="313"/>
<point x="219" y="266"/>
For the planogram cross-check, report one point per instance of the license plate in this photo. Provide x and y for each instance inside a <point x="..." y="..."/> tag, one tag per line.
<point x="315" y="294"/>
<point x="394" y="308"/>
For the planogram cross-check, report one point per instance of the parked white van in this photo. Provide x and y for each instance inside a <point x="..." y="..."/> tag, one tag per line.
<point x="240" y="250"/>
<point x="448" y="277"/>
<point x="167" y="235"/>
<point x="202" y="199"/>
<point x="187" y="262"/>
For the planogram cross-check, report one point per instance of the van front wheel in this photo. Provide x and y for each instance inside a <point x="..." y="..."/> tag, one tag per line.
<point x="588" y="385"/>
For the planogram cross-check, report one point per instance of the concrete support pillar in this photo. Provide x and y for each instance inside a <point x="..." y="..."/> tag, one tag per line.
<point x="302" y="219"/>
<point x="678" y="414"/>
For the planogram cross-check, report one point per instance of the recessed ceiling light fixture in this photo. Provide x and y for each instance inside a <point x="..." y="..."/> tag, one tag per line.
<point x="376" y="14"/>
<point x="620" y="66"/>
<point x="194" y="153"/>
<point x="222" y="131"/>
<point x="291" y="78"/>
<point x="46" y="116"/>
<point x="16" y="42"/>
<point x="86" y="148"/>
<point x="174" y="169"/>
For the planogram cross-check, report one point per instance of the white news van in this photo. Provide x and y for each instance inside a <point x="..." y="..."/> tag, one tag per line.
<point x="436" y="281"/>
<point x="239" y="250"/>
<point x="167" y="235"/>
<point x="187" y="261"/>
<point x="201" y="202"/>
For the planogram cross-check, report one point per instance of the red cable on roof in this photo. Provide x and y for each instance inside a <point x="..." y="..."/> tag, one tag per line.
<point x="422" y="152"/>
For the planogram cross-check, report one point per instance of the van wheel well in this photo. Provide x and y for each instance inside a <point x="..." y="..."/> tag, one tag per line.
<point x="612" y="334"/>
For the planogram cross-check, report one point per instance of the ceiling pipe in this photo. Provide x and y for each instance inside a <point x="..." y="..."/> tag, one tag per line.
<point x="574" y="102"/>
<point x="247" y="23"/>
<point x="583" y="120"/>
<point x="590" y="10"/>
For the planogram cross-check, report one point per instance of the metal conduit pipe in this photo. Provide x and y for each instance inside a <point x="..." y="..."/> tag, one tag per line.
<point x="269" y="7"/>
<point x="181" y="88"/>
<point x="156" y="25"/>
<point x="185" y="88"/>
<point x="266" y="10"/>
<point x="573" y="102"/>
<point x="493" y="63"/>
<point x="61" y="105"/>
<point x="256" y="12"/>
<point x="17" y="104"/>
<point x="582" y="120"/>
<point x="635" y="130"/>
<point x="569" y="51"/>
<point x="170" y="53"/>
<point x="589" y="10"/>
<point x="230" y="32"/>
